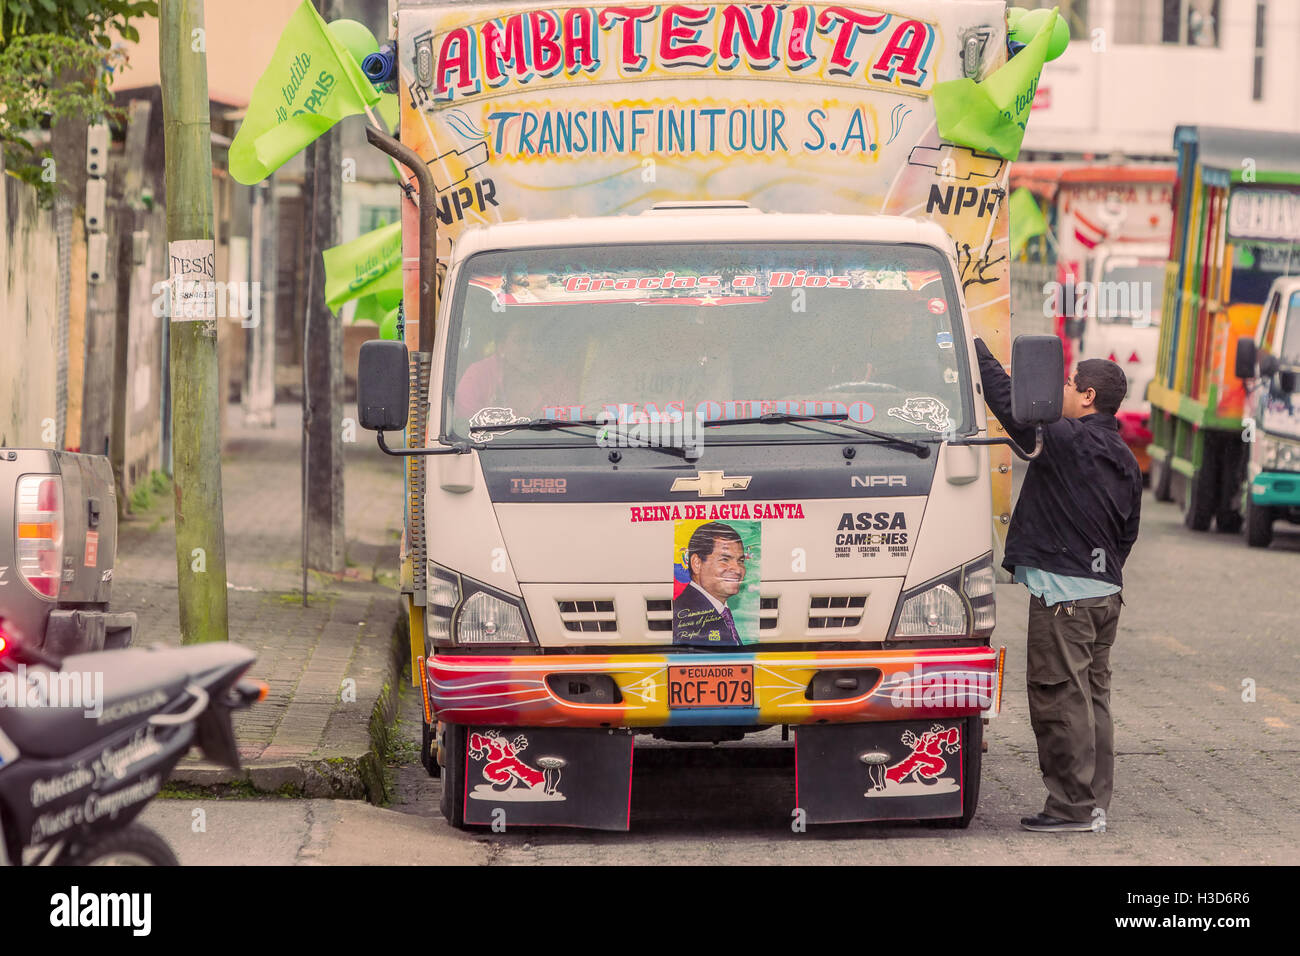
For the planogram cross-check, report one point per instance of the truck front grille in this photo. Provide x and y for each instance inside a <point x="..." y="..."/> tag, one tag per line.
<point x="840" y="610"/>
<point x="590" y="616"/>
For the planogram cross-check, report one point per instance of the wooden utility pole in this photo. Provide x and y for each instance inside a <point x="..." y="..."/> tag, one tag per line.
<point x="196" y="405"/>
<point x="322" y="359"/>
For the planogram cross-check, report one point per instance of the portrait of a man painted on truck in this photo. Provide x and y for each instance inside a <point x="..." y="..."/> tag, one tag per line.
<point x="717" y="561"/>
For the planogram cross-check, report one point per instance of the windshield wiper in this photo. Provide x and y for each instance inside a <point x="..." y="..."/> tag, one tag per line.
<point x="552" y="424"/>
<point x="780" y="418"/>
<point x="537" y="425"/>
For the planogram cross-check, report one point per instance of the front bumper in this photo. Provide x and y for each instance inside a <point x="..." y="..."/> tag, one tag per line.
<point x="1276" y="489"/>
<point x="909" y="683"/>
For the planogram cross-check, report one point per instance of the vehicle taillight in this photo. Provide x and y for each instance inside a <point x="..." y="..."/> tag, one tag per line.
<point x="39" y="533"/>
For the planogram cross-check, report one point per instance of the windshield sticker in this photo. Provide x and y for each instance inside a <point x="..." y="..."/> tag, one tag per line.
<point x="715" y="583"/>
<point x="950" y="376"/>
<point x="937" y="306"/>
<point x="493" y="416"/>
<point x="944" y="340"/>
<point x="674" y="412"/>
<point x="930" y="413"/>
<point x="691" y="287"/>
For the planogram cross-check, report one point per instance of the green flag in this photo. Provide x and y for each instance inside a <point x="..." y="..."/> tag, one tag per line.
<point x="390" y="111"/>
<point x="369" y="264"/>
<point x="1026" y="220"/>
<point x="311" y="84"/>
<point x="376" y="306"/>
<point x="990" y="116"/>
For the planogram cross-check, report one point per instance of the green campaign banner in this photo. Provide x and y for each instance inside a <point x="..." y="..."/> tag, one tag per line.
<point x="1026" y="220"/>
<point x="312" y="82"/>
<point x="368" y="265"/>
<point x="991" y="115"/>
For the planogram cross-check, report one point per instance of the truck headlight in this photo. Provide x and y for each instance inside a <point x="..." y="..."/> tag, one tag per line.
<point x="444" y="595"/>
<point x="936" y="610"/>
<point x="463" y="611"/>
<point x="980" y="588"/>
<point x="1281" y="455"/>
<point x="485" y="619"/>
<point x="960" y="603"/>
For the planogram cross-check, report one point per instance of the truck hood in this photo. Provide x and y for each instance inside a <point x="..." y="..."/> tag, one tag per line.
<point x="812" y="513"/>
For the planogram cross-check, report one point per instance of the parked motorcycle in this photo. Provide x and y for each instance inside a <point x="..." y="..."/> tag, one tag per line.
<point x="87" y="740"/>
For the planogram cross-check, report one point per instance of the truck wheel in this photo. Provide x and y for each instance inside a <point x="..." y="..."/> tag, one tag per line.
<point x="1200" y="493"/>
<point x="1228" y="522"/>
<point x="1161" y="480"/>
<point x="428" y="759"/>
<point x="1259" y="524"/>
<point x="972" y="758"/>
<point x="1232" y="477"/>
<point x="452" y="804"/>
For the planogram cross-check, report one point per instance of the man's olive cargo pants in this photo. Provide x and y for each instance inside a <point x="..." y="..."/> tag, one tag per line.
<point x="1068" y="675"/>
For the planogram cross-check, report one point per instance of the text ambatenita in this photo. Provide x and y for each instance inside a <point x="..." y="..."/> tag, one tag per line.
<point x="527" y="49"/>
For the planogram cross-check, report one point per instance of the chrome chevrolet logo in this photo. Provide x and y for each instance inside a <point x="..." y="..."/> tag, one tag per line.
<point x="711" y="484"/>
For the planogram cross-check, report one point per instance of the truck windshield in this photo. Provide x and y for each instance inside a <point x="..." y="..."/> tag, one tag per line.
<point x="1132" y="291"/>
<point x="655" y="333"/>
<point x="1291" y="336"/>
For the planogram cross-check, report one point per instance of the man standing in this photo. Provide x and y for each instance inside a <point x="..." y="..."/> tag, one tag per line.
<point x="1073" y="527"/>
<point x="716" y="558"/>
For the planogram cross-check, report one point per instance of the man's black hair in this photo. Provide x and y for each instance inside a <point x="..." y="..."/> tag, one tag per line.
<point x="1106" y="379"/>
<point x="706" y="537"/>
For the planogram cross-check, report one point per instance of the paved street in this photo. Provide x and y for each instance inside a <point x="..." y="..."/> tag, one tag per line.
<point x="314" y="726"/>
<point x="1202" y="776"/>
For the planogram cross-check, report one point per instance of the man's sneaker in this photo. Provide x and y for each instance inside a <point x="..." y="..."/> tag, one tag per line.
<point x="1099" y="820"/>
<point x="1042" y="823"/>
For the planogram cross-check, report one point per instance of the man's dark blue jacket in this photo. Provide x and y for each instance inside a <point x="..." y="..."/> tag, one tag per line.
<point x="1082" y="493"/>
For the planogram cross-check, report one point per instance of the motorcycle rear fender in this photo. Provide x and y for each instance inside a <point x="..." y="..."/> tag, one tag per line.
<point x="215" y="735"/>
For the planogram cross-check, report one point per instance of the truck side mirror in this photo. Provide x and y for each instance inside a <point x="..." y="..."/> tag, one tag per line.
<point x="1246" y="357"/>
<point x="1037" y="379"/>
<point x="383" y="371"/>
<point x="1267" y="365"/>
<point x="1286" y="382"/>
<point x="1074" y="328"/>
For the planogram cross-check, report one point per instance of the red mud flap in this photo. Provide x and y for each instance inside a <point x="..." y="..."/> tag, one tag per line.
<point x="911" y="770"/>
<point x="534" y="776"/>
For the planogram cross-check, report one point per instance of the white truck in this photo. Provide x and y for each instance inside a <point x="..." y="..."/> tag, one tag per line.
<point x="695" y="439"/>
<point x="1272" y="361"/>
<point x="1121" y="322"/>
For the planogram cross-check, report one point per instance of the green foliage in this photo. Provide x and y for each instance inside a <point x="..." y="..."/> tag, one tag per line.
<point x="31" y="102"/>
<point x="157" y="485"/>
<point x="90" y="20"/>
<point x="68" y="39"/>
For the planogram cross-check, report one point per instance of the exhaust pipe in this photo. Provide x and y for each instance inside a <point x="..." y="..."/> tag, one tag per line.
<point x="428" y="227"/>
<point x="421" y="360"/>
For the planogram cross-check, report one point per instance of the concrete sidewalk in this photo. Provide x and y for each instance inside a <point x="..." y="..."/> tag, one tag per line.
<point x="331" y="665"/>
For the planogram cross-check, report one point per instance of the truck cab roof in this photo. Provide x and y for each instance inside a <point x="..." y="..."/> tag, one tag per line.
<point x="1287" y="284"/>
<point x="718" y="222"/>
